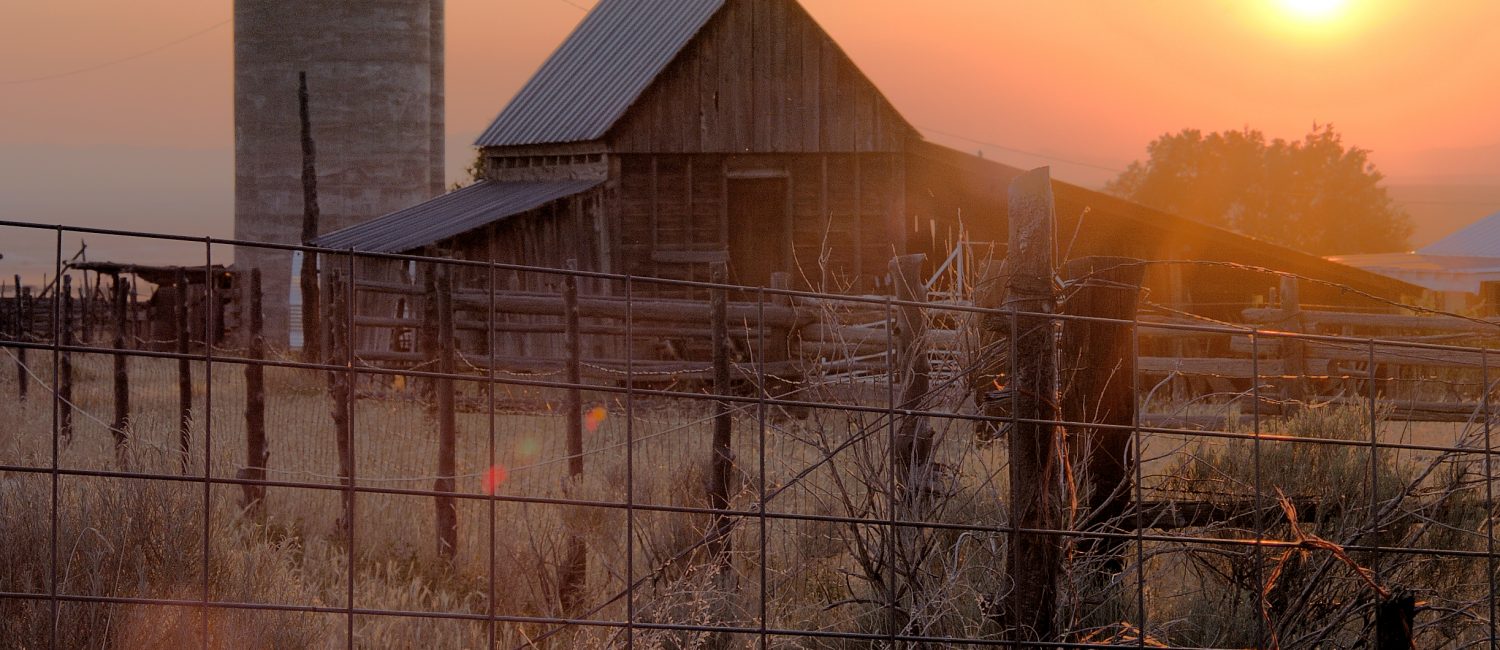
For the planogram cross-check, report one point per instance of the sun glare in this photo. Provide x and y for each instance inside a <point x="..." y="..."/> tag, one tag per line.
<point x="1314" y="10"/>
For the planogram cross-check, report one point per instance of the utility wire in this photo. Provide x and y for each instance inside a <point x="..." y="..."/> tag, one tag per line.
<point x="1021" y="151"/>
<point x="114" y="62"/>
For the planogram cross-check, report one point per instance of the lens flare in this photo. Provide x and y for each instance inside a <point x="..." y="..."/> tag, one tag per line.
<point x="493" y="477"/>
<point x="594" y="418"/>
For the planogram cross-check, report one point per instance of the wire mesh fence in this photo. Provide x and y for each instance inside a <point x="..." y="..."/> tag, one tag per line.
<point x="750" y="481"/>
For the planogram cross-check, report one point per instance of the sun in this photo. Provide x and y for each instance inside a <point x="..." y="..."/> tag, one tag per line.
<point x="1314" y="10"/>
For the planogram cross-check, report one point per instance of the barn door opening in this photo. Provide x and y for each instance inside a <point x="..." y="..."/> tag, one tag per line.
<point x="759" y="230"/>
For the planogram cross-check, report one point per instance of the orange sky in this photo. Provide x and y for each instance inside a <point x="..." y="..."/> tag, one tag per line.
<point x="147" y="143"/>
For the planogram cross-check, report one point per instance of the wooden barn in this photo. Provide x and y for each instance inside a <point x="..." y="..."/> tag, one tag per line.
<point x="666" y="138"/>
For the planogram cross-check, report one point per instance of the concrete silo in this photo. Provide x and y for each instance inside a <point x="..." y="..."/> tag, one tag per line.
<point x="375" y="79"/>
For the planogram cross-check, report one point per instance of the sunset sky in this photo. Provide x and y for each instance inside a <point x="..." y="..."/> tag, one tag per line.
<point x="147" y="142"/>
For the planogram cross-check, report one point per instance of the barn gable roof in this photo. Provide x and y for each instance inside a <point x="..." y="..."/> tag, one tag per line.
<point x="598" y="73"/>
<point x="450" y="215"/>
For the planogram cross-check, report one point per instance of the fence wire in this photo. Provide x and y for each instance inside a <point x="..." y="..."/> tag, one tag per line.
<point x="1267" y="505"/>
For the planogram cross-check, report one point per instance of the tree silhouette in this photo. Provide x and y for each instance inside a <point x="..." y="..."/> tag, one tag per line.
<point x="1314" y="195"/>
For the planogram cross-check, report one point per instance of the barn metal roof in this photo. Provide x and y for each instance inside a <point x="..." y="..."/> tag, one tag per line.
<point x="592" y="80"/>
<point x="1479" y="239"/>
<point x="450" y="215"/>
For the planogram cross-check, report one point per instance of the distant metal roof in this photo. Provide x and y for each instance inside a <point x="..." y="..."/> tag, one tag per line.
<point x="450" y="215"/>
<point x="1435" y="272"/>
<point x="592" y="80"/>
<point x="1479" y="239"/>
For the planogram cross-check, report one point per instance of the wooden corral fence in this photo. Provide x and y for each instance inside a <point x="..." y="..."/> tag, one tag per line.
<point x="1306" y="356"/>
<point x="862" y="338"/>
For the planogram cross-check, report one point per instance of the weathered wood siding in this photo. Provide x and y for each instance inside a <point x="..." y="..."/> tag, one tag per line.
<point x="673" y="213"/>
<point x="762" y="76"/>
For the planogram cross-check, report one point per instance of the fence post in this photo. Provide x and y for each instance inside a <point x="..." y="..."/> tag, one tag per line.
<point x="312" y="333"/>
<point x="122" y="368"/>
<point x="447" y="507"/>
<point x="23" y="332"/>
<point x="1394" y="619"/>
<point x="342" y="393"/>
<point x="722" y="462"/>
<point x="136" y="339"/>
<point x="912" y="455"/>
<point x="1098" y="374"/>
<point x="257" y="455"/>
<point x="1033" y="560"/>
<point x="1294" y="350"/>
<point x="184" y="370"/>
<point x="988" y="367"/>
<point x="86" y="306"/>
<point x="573" y="573"/>
<point x="65" y="373"/>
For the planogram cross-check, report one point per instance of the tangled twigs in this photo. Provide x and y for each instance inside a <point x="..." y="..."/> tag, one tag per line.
<point x="1304" y="542"/>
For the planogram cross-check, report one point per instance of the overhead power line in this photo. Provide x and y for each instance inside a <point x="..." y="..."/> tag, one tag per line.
<point x="114" y="62"/>
<point x="1034" y="154"/>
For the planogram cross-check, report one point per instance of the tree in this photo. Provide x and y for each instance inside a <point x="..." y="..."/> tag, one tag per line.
<point x="1314" y="195"/>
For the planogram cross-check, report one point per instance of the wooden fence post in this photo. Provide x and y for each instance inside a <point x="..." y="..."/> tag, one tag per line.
<point x="23" y="332"/>
<point x="1394" y="619"/>
<point x="65" y="372"/>
<point x="1033" y="560"/>
<point x="120" y="426"/>
<point x="989" y="369"/>
<point x="573" y="572"/>
<point x="86" y="305"/>
<point x="447" y="507"/>
<point x="1098" y="375"/>
<point x="912" y="455"/>
<point x="136" y="338"/>
<point x="184" y="370"/>
<point x="1294" y="350"/>
<point x="342" y="392"/>
<point x="721" y="464"/>
<point x="257" y="455"/>
<point x="312" y="332"/>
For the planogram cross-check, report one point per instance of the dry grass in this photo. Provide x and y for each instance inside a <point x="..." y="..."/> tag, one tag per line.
<point x="131" y="538"/>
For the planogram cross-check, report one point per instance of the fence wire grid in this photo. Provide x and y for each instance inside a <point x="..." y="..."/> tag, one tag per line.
<point x="842" y="479"/>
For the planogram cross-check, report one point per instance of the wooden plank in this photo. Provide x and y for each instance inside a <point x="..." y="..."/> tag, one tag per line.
<point x="1321" y="352"/>
<point x="810" y="95"/>
<point x="1220" y="367"/>
<point x="687" y="311"/>
<point x="1311" y="318"/>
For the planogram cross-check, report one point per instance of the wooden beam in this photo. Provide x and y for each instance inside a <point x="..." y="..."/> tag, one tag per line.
<point x="1312" y="318"/>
